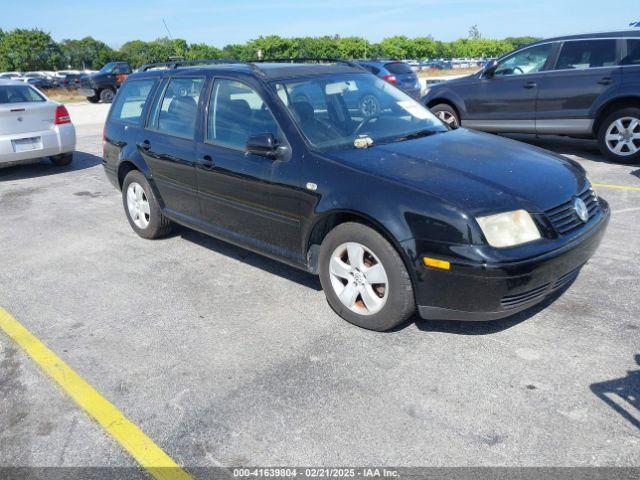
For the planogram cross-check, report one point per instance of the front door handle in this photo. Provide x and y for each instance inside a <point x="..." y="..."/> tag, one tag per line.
<point x="207" y="163"/>
<point x="530" y="84"/>
<point x="605" y="81"/>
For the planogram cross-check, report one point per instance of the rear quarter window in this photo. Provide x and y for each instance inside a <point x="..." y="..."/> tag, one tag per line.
<point x="633" y="53"/>
<point x="398" y="68"/>
<point x="130" y="101"/>
<point x="19" y="94"/>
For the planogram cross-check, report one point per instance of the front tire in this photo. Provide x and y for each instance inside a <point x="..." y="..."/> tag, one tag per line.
<point x="619" y="135"/>
<point x="142" y="208"/>
<point x="447" y="114"/>
<point x="364" y="278"/>
<point x="107" y="95"/>
<point x="62" y="160"/>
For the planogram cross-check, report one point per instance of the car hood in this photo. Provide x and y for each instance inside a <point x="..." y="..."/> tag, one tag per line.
<point x="478" y="172"/>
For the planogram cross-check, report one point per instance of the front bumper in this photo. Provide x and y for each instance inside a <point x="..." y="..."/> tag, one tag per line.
<point x="55" y="141"/>
<point x="86" y="91"/>
<point x="493" y="290"/>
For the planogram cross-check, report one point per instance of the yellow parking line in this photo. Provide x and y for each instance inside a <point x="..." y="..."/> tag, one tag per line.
<point x="618" y="187"/>
<point x="134" y="441"/>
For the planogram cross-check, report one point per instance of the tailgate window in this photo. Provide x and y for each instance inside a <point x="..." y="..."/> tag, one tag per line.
<point x="398" y="68"/>
<point x="130" y="101"/>
<point x="19" y="94"/>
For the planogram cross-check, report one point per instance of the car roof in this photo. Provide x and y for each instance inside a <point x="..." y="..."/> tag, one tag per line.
<point x="267" y="71"/>
<point x="4" y="81"/>
<point x="587" y="36"/>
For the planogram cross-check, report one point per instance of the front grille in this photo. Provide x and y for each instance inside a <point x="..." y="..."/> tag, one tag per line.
<point x="513" y="301"/>
<point x="564" y="218"/>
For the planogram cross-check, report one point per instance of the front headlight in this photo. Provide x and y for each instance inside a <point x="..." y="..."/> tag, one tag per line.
<point x="509" y="228"/>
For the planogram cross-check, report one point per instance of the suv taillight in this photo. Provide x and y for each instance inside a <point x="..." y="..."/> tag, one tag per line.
<point x="62" y="116"/>
<point x="391" y="79"/>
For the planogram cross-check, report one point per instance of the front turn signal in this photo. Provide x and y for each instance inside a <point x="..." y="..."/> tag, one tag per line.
<point x="435" y="263"/>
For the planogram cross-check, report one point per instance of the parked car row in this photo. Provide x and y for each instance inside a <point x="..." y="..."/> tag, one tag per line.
<point x="48" y="79"/>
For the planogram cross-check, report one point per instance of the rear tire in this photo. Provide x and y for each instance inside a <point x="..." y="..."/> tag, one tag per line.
<point x="617" y="135"/>
<point x="447" y="114"/>
<point x="364" y="278"/>
<point x="62" y="160"/>
<point x="141" y="207"/>
<point x="107" y="95"/>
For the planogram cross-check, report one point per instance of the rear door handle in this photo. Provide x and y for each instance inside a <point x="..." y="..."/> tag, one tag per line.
<point x="530" y="84"/>
<point x="605" y="81"/>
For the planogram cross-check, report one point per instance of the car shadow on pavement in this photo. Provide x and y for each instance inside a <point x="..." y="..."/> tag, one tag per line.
<point x="81" y="161"/>
<point x="622" y="394"/>
<point x="484" y="327"/>
<point x="250" y="258"/>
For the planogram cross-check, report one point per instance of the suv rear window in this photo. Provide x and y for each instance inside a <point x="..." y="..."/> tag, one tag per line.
<point x="398" y="67"/>
<point x="633" y="53"/>
<point x="130" y="100"/>
<point x="19" y="94"/>
<point x="582" y="54"/>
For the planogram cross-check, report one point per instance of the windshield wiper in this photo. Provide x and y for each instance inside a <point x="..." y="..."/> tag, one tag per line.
<point x="414" y="135"/>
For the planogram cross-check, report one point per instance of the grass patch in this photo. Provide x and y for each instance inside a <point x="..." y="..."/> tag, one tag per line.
<point x="65" y="95"/>
<point x="434" y="72"/>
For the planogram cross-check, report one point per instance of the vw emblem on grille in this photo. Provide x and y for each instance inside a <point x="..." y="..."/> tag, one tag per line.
<point x="581" y="210"/>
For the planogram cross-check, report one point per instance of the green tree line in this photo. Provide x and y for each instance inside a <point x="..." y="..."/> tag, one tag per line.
<point x="26" y="50"/>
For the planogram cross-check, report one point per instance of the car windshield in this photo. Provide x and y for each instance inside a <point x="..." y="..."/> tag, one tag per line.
<point x="354" y="111"/>
<point x="108" y="68"/>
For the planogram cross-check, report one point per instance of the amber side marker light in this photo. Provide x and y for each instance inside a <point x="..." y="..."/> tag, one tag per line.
<point x="435" y="263"/>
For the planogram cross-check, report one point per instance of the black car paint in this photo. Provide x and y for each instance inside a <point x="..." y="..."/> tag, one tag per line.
<point x="421" y="194"/>
<point x="548" y="95"/>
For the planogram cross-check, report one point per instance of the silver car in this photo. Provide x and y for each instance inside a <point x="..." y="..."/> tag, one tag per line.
<point x="33" y="127"/>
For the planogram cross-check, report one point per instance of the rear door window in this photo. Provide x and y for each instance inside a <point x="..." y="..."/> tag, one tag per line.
<point x="177" y="111"/>
<point x="633" y="53"/>
<point x="19" y="94"/>
<point x="130" y="101"/>
<point x="583" y="54"/>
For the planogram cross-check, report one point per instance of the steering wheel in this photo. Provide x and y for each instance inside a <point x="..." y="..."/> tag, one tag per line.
<point x="518" y="68"/>
<point x="363" y="123"/>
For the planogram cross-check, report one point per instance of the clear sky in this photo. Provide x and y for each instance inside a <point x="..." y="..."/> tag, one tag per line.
<point x="219" y="22"/>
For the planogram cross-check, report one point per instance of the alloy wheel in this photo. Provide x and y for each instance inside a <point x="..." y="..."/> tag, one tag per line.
<point x="138" y="205"/>
<point x="623" y="136"/>
<point x="448" y="118"/>
<point x="358" y="278"/>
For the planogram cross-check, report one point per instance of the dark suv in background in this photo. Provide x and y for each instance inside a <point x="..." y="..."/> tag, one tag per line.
<point x="103" y="85"/>
<point x="585" y="86"/>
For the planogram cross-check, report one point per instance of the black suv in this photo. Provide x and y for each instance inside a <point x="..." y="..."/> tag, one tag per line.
<point x="103" y="85"/>
<point x="394" y="211"/>
<point x="585" y="86"/>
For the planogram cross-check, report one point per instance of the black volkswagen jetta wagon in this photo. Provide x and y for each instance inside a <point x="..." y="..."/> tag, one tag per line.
<point x="394" y="211"/>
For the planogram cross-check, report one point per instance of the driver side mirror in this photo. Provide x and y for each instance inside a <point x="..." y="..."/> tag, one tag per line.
<point x="490" y="68"/>
<point x="264" y="145"/>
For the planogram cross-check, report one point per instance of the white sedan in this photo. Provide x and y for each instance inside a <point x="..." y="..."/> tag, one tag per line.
<point x="33" y="127"/>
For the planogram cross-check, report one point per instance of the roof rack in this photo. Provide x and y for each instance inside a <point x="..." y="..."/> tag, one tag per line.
<point x="173" y="64"/>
